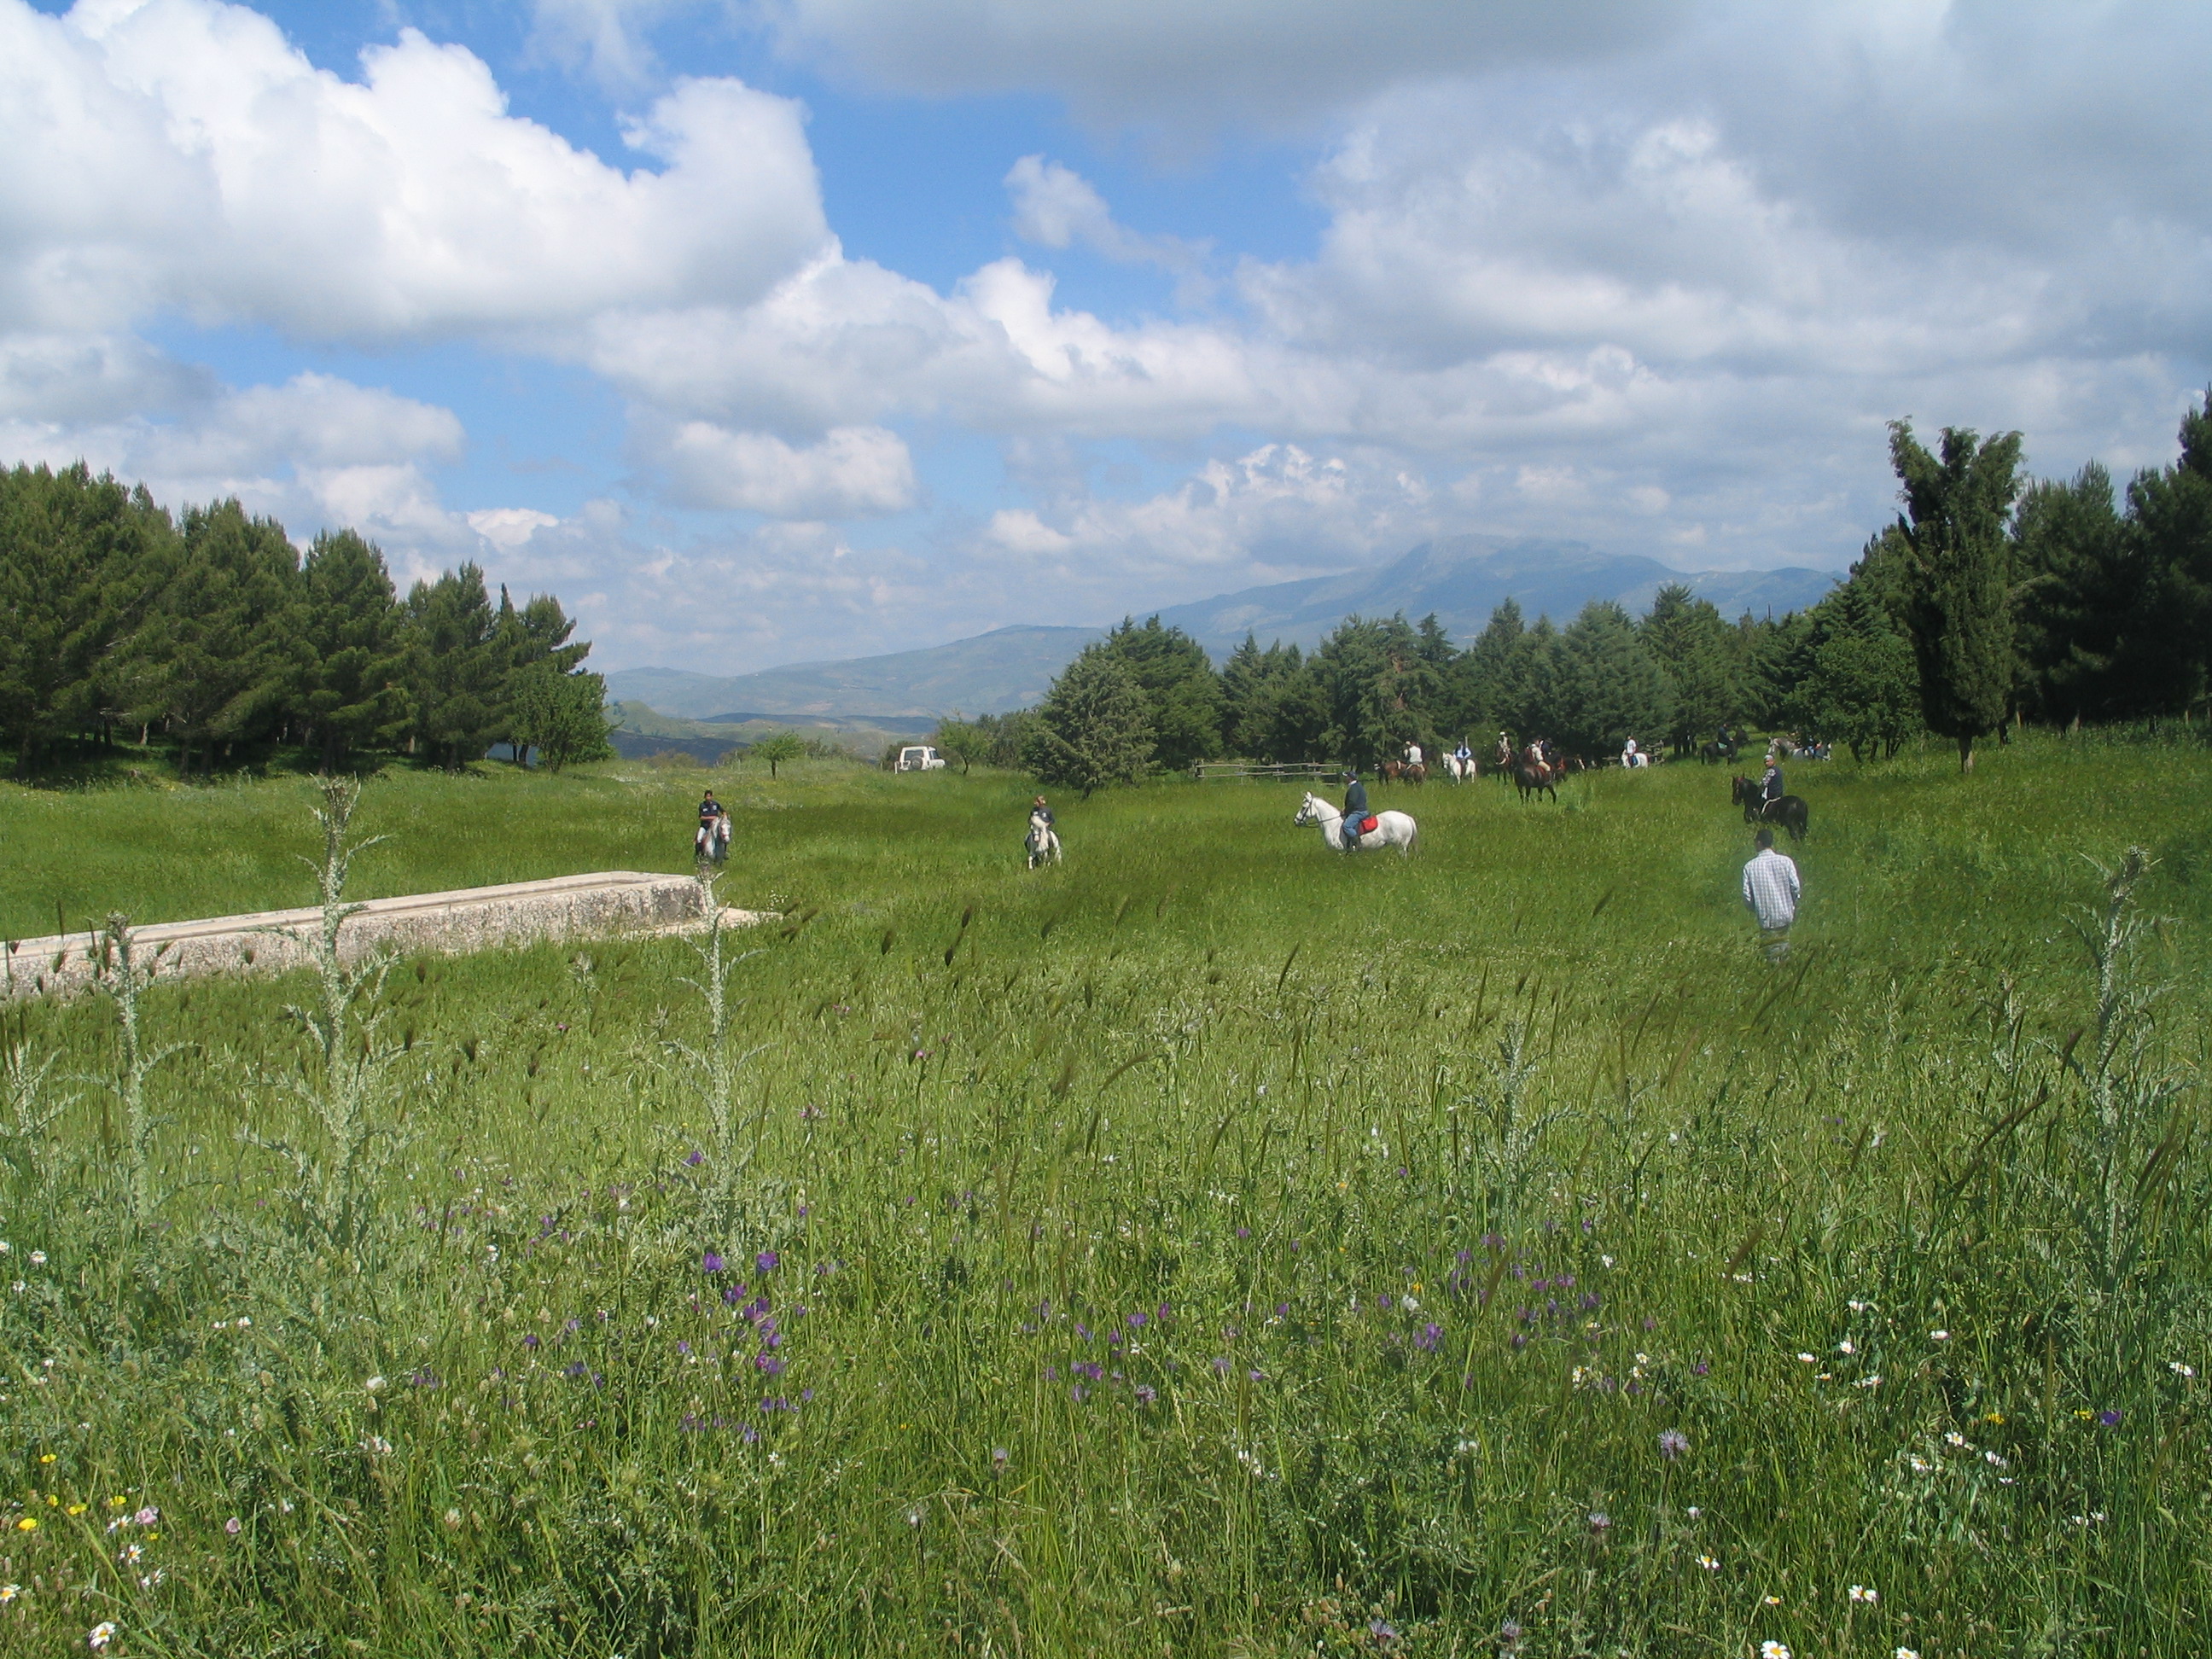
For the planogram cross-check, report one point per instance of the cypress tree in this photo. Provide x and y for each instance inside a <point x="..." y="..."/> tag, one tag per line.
<point x="457" y="667"/>
<point x="1094" y="726"/>
<point x="356" y="694"/>
<point x="221" y="656"/>
<point x="1959" y="576"/>
<point x="1182" y="695"/>
<point x="1610" y="689"/>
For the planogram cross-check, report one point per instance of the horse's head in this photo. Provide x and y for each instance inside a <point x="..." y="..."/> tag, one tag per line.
<point x="1309" y="810"/>
<point x="1739" y="790"/>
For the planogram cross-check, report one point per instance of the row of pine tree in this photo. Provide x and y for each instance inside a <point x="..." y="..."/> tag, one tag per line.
<point x="214" y="635"/>
<point x="1990" y="598"/>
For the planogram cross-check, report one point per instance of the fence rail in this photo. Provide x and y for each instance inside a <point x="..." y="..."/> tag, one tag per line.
<point x="1205" y="769"/>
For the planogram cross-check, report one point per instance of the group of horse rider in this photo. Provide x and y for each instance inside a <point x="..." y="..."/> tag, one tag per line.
<point x="712" y="841"/>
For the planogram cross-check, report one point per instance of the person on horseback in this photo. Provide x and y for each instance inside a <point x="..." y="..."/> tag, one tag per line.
<point x="1041" y="814"/>
<point x="1355" y="809"/>
<point x="1463" y="757"/>
<point x="713" y="839"/>
<point x="1769" y="786"/>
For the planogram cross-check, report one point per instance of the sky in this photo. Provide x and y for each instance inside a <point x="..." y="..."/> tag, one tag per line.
<point x="773" y="330"/>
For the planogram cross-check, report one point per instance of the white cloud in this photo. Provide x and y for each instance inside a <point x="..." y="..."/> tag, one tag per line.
<point x="854" y="471"/>
<point x="508" y="528"/>
<point x="1057" y="207"/>
<point x="180" y="154"/>
<point x="1196" y="66"/>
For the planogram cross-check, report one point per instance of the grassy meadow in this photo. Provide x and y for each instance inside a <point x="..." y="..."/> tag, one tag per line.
<point x="1211" y="1245"/>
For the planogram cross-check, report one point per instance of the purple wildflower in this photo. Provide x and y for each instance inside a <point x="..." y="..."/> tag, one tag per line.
<point x="1673" y="1443"/>
<point x="682" y="1347"/>
<point x="531" y="1341"/>
<point x="1600" y="1522"/>
<point x="1146" y="1393"/>
<point x="695" y="1158"/>
<point x="769" y="1364"/>
<point x="2110" y="1419"/>
<point x="1380" y="1632"/>
<point x="766" y="1260"/>
<point x="712" y="1263"/>
<point x="1137" y="1320"/>
<point x="1221" y="1364"/>
<point x="1428" y="1337"/>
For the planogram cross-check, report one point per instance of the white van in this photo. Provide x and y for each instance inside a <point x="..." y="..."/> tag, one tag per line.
<point x="920" y="757"/>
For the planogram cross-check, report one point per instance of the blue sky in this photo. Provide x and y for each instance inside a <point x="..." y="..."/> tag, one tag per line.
<point x="763" y="330"/>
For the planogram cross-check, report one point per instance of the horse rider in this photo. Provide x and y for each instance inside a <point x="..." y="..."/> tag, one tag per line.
<point x="713" y="816"/>
<point x="1769" y="786"/>
<point x="1041" y="816"/>
<point x="1463" y="757"/>
<point x="1413" y="754"/>
<point x="1355" y="809"/>
<point x="1628" y="754"/>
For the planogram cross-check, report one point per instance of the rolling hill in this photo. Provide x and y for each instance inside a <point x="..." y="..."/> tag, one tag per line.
<point x="1460" y="578"/>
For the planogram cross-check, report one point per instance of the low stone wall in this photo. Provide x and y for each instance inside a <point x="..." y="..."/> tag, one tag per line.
<point x="470" y="919"/>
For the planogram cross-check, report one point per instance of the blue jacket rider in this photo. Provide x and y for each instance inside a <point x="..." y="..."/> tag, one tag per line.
<point x="1355" y="809"/>
<point x="1770" y="785"/>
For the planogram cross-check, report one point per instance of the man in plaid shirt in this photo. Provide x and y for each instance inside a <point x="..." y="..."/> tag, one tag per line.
<point x="1770" y="888"/>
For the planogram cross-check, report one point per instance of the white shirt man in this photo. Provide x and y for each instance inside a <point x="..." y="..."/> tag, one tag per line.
<point x="1772" y="890"/>
<point x="1413" y="754"/>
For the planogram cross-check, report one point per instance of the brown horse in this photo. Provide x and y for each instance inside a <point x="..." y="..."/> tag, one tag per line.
<point x="1535" y="778"/>
<point x="1790" y="811"/>
<point x="1392" y="770"/>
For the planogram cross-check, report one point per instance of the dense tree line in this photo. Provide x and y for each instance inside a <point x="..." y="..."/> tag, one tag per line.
<point x="212" y="632"/>
<point x="1990" y="598"/>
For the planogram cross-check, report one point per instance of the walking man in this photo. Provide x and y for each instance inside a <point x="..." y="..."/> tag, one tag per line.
<point x="1771" y="888"/>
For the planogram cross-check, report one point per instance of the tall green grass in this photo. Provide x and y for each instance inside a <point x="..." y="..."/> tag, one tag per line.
<point x="1213" y="1244"/>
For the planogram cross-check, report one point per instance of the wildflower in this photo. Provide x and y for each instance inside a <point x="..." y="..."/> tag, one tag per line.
<point x="100" y="1635"/>
<point x="2175" y="1366"/>
<point x="1428" y="1337"/>
<point x="234" y="1526"/>
<point x="998" y="1459"/>
<point x="1939" y="1336"/>
<point x="1600" y="1522"/>
<point x="1708" y="1564"/>
<point x="1221" y="1364"/>
<point x="1772" y="1601"/>
<point x="1805" y="1358"/>
<point x="1381" y="1631"/>
<point x="695" y="1158"/>
<point x="766" y="1260"/>
<point x="1860" y="1593"/>
<point x="1673" y="1443"/>
<point x="375" y="1385"/>
<point x="2110" y="1419"/>
<point x="132" y="1554"/>
<point x="1993" y="1460"/>
<point x="28" y="1523"/>
<point x="1907" y="1653"/>
<point x="9" y="1593"/>
<point x="1146" y="1393"/>
<point x="1920" y="1465"/>
<point x="1952" y="1438"/>
<point x="1772" y="1650"/>
<point x="712" y="1263"/>
<point x="1844" y="1346"/>
<point x="38" y="1258"/>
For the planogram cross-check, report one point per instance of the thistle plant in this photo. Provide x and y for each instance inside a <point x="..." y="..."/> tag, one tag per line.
<point x="2126" y="1151"/>
<point x="34" y="1106"/>
<point x="123" y="977"/>
<point x="714" y="1067"/>
<point x="343" y="1093"/>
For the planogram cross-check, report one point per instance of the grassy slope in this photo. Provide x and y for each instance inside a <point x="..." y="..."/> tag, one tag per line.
<point x="1111" y="1088"/>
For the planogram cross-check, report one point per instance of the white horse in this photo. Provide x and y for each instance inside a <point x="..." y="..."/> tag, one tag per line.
<point x="1043" y="845"/>
<point x="712" y="843"/>
<point x="1458" y="770"/>
<point x="1392" y="829"/>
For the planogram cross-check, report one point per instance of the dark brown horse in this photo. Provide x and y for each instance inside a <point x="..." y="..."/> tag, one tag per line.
<point x="1790" y="811"/>
<point x="1535" y="778"/>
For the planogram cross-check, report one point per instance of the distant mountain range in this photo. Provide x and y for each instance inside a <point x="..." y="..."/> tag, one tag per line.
<point x="1462" y="578"/>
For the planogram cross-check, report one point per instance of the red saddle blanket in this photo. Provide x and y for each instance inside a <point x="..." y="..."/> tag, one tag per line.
<point x="1369" y="824"/>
